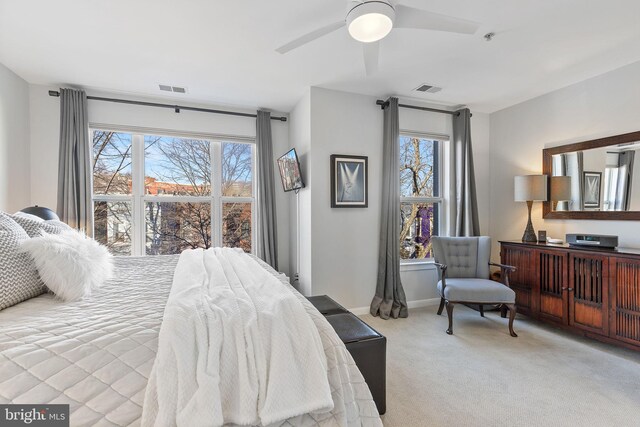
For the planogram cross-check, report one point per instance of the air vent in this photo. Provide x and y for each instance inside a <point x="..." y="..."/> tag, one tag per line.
<point x="427" y="89"/>
<point x="174" y="89"/>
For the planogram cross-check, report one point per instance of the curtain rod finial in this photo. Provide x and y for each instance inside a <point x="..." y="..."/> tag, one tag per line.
<point x="382" y="104"/>
<point x="54" y="93"/>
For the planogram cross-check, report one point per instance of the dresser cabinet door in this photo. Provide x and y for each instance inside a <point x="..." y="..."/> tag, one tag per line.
<point x="523" y="280"/>
<point x="589" y="292"/>
<point x="554" y="279"/>
<point x="625" y="300"/>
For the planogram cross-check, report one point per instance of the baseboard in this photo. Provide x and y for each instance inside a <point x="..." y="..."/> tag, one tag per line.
<point x="358" y="311"/>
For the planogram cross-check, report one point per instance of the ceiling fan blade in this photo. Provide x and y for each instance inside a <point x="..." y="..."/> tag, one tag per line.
<point x="310" y="37"/>
<point x="409" y="17"/>
<point x="371" y="54"/>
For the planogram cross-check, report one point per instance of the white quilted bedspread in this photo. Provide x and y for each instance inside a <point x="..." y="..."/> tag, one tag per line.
<point x="97" y="354"/>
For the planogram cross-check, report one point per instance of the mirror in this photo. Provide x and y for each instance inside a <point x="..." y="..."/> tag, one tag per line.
<point x="597" y="179"/>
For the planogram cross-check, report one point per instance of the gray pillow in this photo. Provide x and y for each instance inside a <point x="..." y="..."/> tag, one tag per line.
<point x="35" y="226"/>
<point x="19" y="279"/>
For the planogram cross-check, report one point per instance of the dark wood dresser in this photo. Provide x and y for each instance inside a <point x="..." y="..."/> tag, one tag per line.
<point x="593" y="292"/>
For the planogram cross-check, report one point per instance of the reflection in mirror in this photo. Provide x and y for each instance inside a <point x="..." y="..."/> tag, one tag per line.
<point x="601" y="179"/>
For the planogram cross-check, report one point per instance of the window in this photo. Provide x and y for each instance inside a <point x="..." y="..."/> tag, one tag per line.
<point x="420" y="195"/>
<point x="158" y="194"/>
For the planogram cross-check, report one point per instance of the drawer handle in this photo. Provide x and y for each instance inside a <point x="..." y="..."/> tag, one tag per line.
<point x="567" y="289"/>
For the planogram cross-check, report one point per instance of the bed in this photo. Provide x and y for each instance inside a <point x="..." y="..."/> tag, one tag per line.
<point x="97" y="355"/>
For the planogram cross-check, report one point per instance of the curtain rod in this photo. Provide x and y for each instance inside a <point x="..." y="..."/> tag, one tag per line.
<point x="383" y="104"/>
<point x="175" y="108"/>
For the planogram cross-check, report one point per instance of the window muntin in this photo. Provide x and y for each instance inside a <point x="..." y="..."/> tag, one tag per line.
<point x="180" y="193"/>
<point x="420" y="201"/>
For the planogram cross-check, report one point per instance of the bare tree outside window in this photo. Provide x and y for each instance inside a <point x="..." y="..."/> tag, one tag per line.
<point x="111" y="163"/>
<point x="177" y="167"/>
<point x="237" y="182"/>
<point x="236" y="225"/>
<point x="418" y="189"/>
<point x="173" y="227"/>
<point x="178" y="200"/>
<point x="237" y="169"/>
<point x="112" y="176"/>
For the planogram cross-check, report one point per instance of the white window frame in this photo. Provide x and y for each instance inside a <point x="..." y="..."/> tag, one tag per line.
<point x="138" y="198"/>
<point x="443" y="144"/>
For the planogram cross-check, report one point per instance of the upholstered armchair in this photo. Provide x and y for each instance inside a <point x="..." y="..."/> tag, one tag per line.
<point x="463" y="264"/>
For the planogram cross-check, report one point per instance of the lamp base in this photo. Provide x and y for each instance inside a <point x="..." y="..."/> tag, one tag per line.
<point x="529" y="235"/>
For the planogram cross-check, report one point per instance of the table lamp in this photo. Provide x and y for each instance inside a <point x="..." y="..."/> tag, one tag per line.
<point x="560" y="190"/>
<point x="530" y="188"/>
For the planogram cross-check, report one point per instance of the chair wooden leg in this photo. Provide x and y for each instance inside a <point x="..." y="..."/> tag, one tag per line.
<point x="450" y="314"/>
<point x="503" y="311"/>
<point x="441" y="306"/>
<point x="512" y="316"/>
<point x="481" y="310"/>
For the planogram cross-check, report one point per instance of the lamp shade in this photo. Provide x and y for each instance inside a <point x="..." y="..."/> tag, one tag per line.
<point x="530" y="188"/>
<point x="560" y="188"/>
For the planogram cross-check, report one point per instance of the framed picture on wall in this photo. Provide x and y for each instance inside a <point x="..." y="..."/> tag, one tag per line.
<point x="591" y="190"/>
<point x="349" y="181"/>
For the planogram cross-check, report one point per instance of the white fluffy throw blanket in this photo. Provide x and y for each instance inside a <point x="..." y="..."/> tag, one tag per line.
<point x="236" y="346"/>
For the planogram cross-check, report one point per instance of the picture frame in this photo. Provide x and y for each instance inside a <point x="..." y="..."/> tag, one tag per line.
<point x="349" y="181"/>
<point x="591" y="190"/>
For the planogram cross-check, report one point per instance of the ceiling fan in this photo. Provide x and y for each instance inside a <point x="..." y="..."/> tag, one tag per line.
<point x="369" y="21"/>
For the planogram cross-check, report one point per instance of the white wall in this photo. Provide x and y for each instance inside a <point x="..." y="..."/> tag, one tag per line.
<point x="344" y="241"/>
<point x="45" y="126"/>
<point x="300" y="205"/>
<point x="14" y="142"/>
<point x="340" y="246"/>
<point x="602" y="106"/>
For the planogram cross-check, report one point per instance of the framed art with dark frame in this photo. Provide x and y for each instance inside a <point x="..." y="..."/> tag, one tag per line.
<point x="591" y="190"/>
<point x="349" y="181"/>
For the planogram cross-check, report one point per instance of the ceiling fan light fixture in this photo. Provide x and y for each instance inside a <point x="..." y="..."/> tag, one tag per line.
<point x="370" y="21"/>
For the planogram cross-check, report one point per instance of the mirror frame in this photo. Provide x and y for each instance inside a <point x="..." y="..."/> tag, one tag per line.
<point x="547" y="169"/>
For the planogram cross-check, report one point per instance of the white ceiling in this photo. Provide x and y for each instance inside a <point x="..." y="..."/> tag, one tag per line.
<point x="223" y="51"/>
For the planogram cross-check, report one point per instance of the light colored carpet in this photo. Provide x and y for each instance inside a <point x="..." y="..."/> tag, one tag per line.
<point x="480" y="376"/>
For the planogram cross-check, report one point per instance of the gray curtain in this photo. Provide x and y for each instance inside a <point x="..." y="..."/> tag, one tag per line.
<point x="74" y="162"/>
<point x="466" y="206"/>
<point x="267" y="244"/>
<point x="389" y="300"/>
<point x="570" y="164"/>
<point x="625" y="175"/>
<point x="574" y="167"/>
<point x="559" y="168"/>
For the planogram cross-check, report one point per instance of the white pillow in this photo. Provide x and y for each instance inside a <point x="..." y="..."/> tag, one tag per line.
<point x="69" y="263"/>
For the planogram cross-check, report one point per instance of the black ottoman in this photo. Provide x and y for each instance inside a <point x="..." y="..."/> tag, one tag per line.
<point x="368" y="349"/>
<point x="326" y="305"/>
